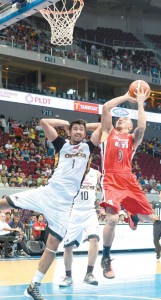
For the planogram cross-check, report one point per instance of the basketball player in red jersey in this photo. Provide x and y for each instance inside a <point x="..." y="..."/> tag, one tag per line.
<point x="120" y="186"/>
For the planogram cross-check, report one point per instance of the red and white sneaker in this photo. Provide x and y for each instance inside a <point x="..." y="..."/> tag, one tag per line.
<point x="107" y="268"/>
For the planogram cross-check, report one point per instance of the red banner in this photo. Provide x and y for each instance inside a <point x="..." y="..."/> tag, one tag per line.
<point x="90" y="108"/>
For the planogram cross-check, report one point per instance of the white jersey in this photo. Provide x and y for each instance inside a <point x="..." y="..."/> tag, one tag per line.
<point x="83" y="218"/>
<point x="87" y="195"/>
<point x="56" y="198"/>
<point x="71" y="164"/>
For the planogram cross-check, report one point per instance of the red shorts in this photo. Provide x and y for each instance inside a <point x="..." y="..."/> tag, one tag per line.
<point x="124" y="190"/>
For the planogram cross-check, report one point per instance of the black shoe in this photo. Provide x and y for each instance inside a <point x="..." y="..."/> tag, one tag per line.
<point x="158" y="255"/>
<point x="33" y="291"/>
<point x="9" y="255"/>
<point x="107" y="268"/>
<point x="133" y="221"/>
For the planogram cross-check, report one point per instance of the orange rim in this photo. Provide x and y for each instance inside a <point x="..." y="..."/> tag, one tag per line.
<point x="71" y="11"/>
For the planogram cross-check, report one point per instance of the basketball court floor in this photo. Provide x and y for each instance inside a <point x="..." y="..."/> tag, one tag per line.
<point x="138" y="276"/>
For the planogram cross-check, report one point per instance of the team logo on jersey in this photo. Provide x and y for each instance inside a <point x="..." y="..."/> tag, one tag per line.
<point x="121" y="143"/>
<point x="78" y="154"/>
<point x="88" y="187"/>
<point x="76" y="147"/>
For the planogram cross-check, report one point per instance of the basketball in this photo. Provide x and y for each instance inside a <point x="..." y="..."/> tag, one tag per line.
<point x="138" y="85"/>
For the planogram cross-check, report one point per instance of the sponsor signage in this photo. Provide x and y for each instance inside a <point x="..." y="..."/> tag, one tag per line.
<point x="61" y="103"/>
<point x="120" y="112"/>
<point x="86" y="107"/>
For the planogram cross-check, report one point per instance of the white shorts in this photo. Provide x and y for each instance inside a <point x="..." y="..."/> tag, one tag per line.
<point x="83" y="225"/>
<point x="55" y="206"/>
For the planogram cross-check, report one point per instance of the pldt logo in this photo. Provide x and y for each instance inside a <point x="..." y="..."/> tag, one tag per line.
<point x="120" y="112"/>
<point x="29" y="98"/>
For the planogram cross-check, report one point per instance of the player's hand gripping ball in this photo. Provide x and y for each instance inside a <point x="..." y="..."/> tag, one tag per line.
<point x="139" y="85"/>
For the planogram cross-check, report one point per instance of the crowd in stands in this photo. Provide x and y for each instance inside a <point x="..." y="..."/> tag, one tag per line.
<point x="142" y="62"/>
<point x="137" y="61"/>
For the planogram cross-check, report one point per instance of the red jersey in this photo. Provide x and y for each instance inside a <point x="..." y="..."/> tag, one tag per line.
<point x="117" y="153"/>
<point x="120" y="186"/>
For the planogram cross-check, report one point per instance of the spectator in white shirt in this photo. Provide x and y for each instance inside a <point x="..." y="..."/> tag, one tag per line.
<point x="6" y="233"/>
<point x="8" y="145"/>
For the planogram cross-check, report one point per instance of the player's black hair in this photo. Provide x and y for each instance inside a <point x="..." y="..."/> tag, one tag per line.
<point x="79" y="122"/>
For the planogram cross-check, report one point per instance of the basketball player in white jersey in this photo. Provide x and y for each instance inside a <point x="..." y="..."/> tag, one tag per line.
<point x="55" y="199"/>
<point x="83" y="219"/>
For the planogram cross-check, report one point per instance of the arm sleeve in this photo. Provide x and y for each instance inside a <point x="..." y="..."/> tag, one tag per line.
<point x="91" y="146"/>
<point x="58" y="143"/>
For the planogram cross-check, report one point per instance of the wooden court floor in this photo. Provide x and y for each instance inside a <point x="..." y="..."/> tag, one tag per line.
<point x="138" y="276"/>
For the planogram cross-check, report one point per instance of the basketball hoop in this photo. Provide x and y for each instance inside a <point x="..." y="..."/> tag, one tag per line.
<point x="62" y="21"/>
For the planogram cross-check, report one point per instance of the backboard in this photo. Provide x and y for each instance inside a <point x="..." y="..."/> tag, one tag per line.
<point x="11" y="12"/>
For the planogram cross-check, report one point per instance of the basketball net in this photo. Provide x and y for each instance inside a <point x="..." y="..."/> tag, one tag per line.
<point x="62" y="21"/>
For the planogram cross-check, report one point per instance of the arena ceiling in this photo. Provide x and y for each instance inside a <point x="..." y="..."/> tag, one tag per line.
<point x="114" y="4"/>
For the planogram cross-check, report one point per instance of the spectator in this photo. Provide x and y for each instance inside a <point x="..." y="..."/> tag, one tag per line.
<point x="122" y="216"/>
<point x="3" y="154"/>
<point x="26" y="154"/>
<point x="38" y="169"/>
<point x="15" y="144"/>
<point x="8" y="145"/>
<point x="154" y="189"/>
<point x="39" y="228"/>
<point x="4" y="182"/>
<point x="12" y="179"/>
<point x="29" y="180"/>
<point x="13" y="167"/>
<point x="50" y="148"/>
<point x="8" y="217"/>
<point x="42" y="180"/>
<point x="46" y="170"/>
<point x="158" y="185"/>
<point x="20" y="235"/>
<point x="6" y="234"/>
<point x="18" y="131"/>
<point x="152" y="180"/>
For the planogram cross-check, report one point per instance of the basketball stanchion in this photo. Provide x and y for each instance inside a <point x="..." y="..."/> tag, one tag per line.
<point x="62" y="21"/>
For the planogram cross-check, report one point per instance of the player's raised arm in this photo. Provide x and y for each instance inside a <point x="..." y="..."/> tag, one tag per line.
<point x="92" y="126"/>
<point x="141" y="126"/>
<point x="96" y="136"/>
<point x="106" y="118"/>
<point x="48" y="127"/>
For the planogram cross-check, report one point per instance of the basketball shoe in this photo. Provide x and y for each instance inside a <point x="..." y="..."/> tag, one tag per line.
<point x="33" y="291"/>
<point x="133" y="221"/>
<point x="90" y="279"/>
<point x="67" y="281"/>
<point x="107" y="268"/>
